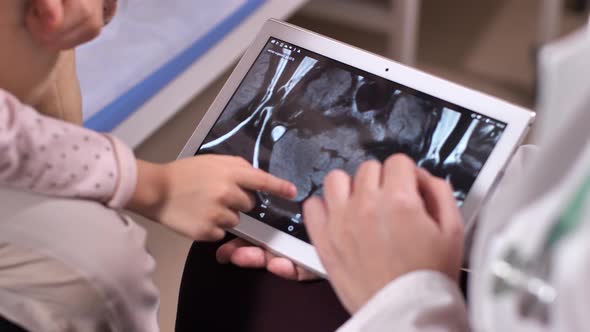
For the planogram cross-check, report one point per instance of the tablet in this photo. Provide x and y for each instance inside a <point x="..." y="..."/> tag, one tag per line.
<point x="299" y="105"/>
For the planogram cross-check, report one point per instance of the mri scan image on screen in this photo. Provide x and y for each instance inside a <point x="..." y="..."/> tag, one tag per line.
<point x="299" y="115"/>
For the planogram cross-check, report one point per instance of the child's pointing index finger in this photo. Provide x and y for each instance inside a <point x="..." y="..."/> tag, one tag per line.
<point x="257" y="180"/>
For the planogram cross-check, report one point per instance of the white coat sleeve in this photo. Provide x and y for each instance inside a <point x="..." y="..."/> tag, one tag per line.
<point x="424" y="301"/>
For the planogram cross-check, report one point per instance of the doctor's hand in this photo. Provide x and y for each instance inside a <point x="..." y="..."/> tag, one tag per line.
<point x="390" y="220"/>
<point x="65" y="24"/>
<point x="201" y="197"/>
<point x="246" y="255"/>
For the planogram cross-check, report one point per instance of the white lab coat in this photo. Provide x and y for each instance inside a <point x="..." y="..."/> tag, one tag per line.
<point x="537" y="190"/>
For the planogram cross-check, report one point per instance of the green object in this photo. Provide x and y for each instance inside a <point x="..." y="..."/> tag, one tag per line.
<point x="571" y="217"/>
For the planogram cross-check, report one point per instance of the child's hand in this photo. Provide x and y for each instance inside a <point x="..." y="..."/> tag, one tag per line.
<point x="200" y="197"/>
<point x="65" y="24"/>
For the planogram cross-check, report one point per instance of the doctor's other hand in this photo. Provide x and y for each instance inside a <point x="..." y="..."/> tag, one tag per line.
<point x="246" y="255"/>
<point x="390" y="220"/>
<point x="201" y="197"/>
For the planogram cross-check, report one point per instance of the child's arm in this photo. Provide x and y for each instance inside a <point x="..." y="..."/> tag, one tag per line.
<point x="198" y="197"/>
<point x="48" y="156"/>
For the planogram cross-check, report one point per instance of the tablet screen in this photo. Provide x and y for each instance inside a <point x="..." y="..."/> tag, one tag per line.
<point x="298" y="115"/>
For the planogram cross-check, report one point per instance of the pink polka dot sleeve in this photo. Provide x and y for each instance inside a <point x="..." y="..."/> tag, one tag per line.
<point x="52" y="157"/>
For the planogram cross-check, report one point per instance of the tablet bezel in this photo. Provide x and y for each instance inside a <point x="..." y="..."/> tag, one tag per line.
<point x="518" y="121"/>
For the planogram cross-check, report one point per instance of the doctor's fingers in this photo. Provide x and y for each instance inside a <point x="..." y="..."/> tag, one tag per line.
<point x="254" y="179"/>
<point x="225" y="252"/>
<point x="315" y="216"/>
<point x="400" y="188"/>
<point x="441" y="204"/>
<point x="246" y="255"/>
<point x="367" y="180"/>
<point x="337" y="190"/>
<point x="287" y="269"/>
<point x="399" y="174"/>
<point x="243" y="254"/>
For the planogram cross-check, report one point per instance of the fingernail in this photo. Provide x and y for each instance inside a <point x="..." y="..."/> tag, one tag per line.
<point x="293" y="190"/>
<point x="290" y="191"/>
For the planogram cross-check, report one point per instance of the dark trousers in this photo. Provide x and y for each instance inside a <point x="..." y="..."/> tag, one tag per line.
<point x="217" y="297"/>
